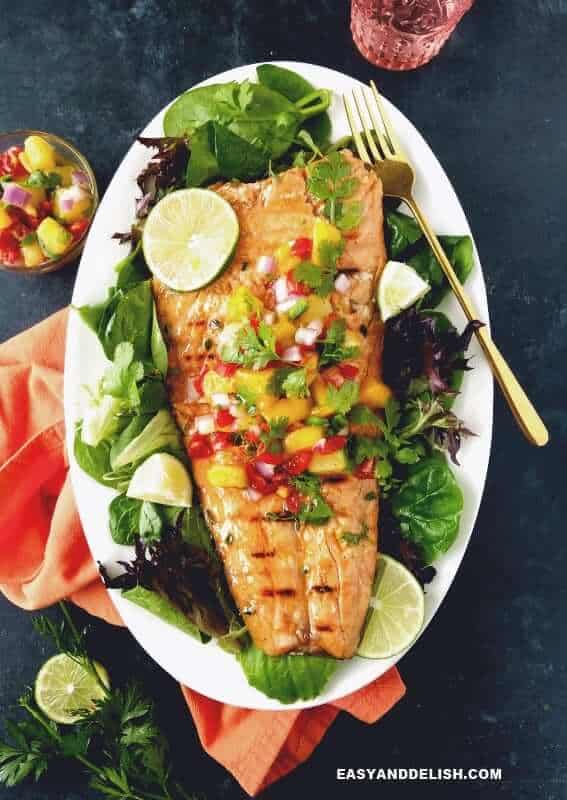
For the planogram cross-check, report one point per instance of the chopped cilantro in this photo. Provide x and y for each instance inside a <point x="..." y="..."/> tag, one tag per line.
<point x="333" y="349"/>
<point x="355" y="538"/>
<point x="289" y="381"/>
<point x="314" y="509"/>
<point x="44" y="180"/>
<point x="344" y="398"/>
<point x="331" y="180"/>
<point x="252" y="350"/>
<point x="272" y="438"/>
<point x="362" y="415"/>
<point x="321" y="278"/>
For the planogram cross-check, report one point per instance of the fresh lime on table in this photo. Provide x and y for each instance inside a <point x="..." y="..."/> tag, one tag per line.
<point x="189" y="237"/>
<point x="162" y="478"/>
<point x="396" y="611"/>
<point x="65" y="690"/>
<point x="399" y="288"/>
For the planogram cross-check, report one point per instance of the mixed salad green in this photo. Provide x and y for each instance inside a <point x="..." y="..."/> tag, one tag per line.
<point x="248" y="130"/>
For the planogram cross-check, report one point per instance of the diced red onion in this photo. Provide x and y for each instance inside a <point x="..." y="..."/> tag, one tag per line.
<point x="266" y="264"/>
<point x="221" y="399"/>
<point x="265" y="470"/>
<point x="254" y="430"/>
<point x="68" y="198"/>
<point x="342" y="283"/>
<point x="269" y="318"/>
<point x="253" y="495"/>
<point x="191" y="393"/>
<point x="236" y="409"/>
<point x="292" y="354"/>
<point x="306" y="336"/>
<point x="80" y="178"/>
<point x="205" y="424"/>
<point x="320" y="444"/>
<point x="343" y="432"/>
<point x="14" y="195"/>
<point x="281" y="308"/>
<point x="281" y="290"/>
<point x="316" y="325"/>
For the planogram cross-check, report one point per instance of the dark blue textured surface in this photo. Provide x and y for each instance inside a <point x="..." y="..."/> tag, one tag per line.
<point x="487" y="684"/>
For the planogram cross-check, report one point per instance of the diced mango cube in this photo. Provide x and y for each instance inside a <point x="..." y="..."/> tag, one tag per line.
<point x="253" y="383"/>
<point x="285" y="259"/>
<point x="5" y="218"/>
<point x="213" y="383"/>
<point x="323" y="231"/>
<point x="374" y="393"/>
<point x="295" y="409"/>
<point x="75" y="210"/>
<point x="33" y="254"/>
<point x="311" y="364"/>
<point x="65" y="172"/>
<point x="243" y="304"/>
<point x="317" y="308"/>
<point x="39" y="153"/>
<point x="302" y="439"/>
<point x="284" y="330"/>
<point x="24" y="161"/>
<point x="319" y="391"/>
<point x="53" y="238"/>
<point x="37" y="195"/>
<point x="227" y="476"/>
<point x="328" y="463"/>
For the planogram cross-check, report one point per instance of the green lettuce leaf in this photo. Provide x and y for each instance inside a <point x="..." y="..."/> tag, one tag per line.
<point x="286" y="678"/>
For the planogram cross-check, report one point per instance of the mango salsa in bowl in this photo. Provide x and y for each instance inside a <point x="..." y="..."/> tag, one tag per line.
<point x="48" y="196"/>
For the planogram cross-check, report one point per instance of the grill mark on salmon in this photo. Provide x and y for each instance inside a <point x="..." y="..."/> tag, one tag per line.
<point x="299" y="588"/>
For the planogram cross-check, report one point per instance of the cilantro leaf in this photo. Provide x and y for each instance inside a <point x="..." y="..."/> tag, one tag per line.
<point x="315" y="509"/>
<point x="275" y="433"/>
<point x="250" y="349"/>
<point x="331" y="180"/>
<point x="355" y="538"/>
<point x="43" y="180"/>
<point x="362" y="415"/>
<point x="333" y="349"/>
<point x="289" y="381"/>
<point x="321" y="278"/>
<point x="344" y="398"/>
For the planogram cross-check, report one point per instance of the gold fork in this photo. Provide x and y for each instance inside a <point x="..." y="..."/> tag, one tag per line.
<point x="379" y="147"/>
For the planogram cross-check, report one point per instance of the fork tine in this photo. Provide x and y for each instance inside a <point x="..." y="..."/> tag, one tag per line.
<point x="367" y="132"/>
<point x="383" y="140"/>
<point x="358" y="140"/>
<point x="394" y="143"/>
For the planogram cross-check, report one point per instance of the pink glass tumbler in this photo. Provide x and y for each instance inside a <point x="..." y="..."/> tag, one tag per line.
<point x="404" y="34"/>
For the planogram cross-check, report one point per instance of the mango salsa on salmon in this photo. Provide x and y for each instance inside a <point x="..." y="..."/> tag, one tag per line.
<point x="270" y="368"/>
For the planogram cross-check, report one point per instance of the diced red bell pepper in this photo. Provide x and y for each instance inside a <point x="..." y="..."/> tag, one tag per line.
<point x="366" y="469"/>
<point x="254" y="323"/>
<point x="293" y="501"/>
<point x="257" y="481"/>
<point x="271" y="458"/>
<point x="330" y="445"/>
<point x="77" y="229"/>
<point x="334" y="376"/>
<point x="220" y="440"/>
<point x="199" y="446"/>
<point x="226" y="370"/>
<point x="224" y="418"/>
<point x="302" y="248"/>
<point x="296" y="287"/>
<point x="299" y="462"/>
<point x="9" y="248"/>
<point x="10" y="164"/>
<point x="348" y="371"/>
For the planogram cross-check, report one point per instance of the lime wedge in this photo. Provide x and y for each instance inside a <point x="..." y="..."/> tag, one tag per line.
<point x="399" y="288"/>
<point x="162" y="478"/>
<point x="65" y="689"/>
<point x="189" y="237"/>
<point x="395" y="614"/>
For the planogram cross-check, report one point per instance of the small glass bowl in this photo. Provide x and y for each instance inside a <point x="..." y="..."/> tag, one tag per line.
<point x="70" y="155"/>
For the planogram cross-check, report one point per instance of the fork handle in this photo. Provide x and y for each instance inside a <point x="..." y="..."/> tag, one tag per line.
<point x="528" y="419"/>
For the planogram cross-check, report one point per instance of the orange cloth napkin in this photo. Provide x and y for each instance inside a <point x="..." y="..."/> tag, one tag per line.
<point x="44" y="557"/>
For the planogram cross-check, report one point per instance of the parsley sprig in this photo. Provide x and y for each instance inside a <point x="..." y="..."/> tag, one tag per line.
<point x="119" y="745"/>
<point x="331" y="180"/>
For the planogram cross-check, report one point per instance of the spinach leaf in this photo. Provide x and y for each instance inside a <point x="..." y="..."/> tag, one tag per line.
<point x="286" y="678"/>
<point x="403" y="231"/>
<point x="95" y="461"/>
<point x="259" y="115"/>
<point x="132" y="269"/>
<point x="295" y="88"/>
<point x="124" y="519"/>
<point x="218" y="152"/>
<point x="429" y="505"/>
<point x="459" y="251"/>
<point x="153" y="397"/>
<point x="131" y="322"/>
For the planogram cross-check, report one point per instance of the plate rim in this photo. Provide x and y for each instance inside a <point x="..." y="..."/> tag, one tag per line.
<point x="328" y="695"/>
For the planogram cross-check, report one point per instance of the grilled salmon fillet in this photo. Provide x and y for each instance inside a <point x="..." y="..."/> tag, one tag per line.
<point x="299" y="587"/>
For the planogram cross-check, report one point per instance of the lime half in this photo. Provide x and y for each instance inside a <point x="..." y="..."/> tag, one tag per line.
<point x="65" y="689"/>
<point x="162" y="478"/>
<point x="396" y="611"/>
<point x="189" y="237"/>
<point x="399" y="288"/>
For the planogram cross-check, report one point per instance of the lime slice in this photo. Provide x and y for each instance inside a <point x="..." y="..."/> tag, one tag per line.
<point x="189" y="237"/>
<point x="395" y="614"/>
<point x="162" y="478"/>
<point x="399" y="288"/>
<point x="65" y="689"/>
